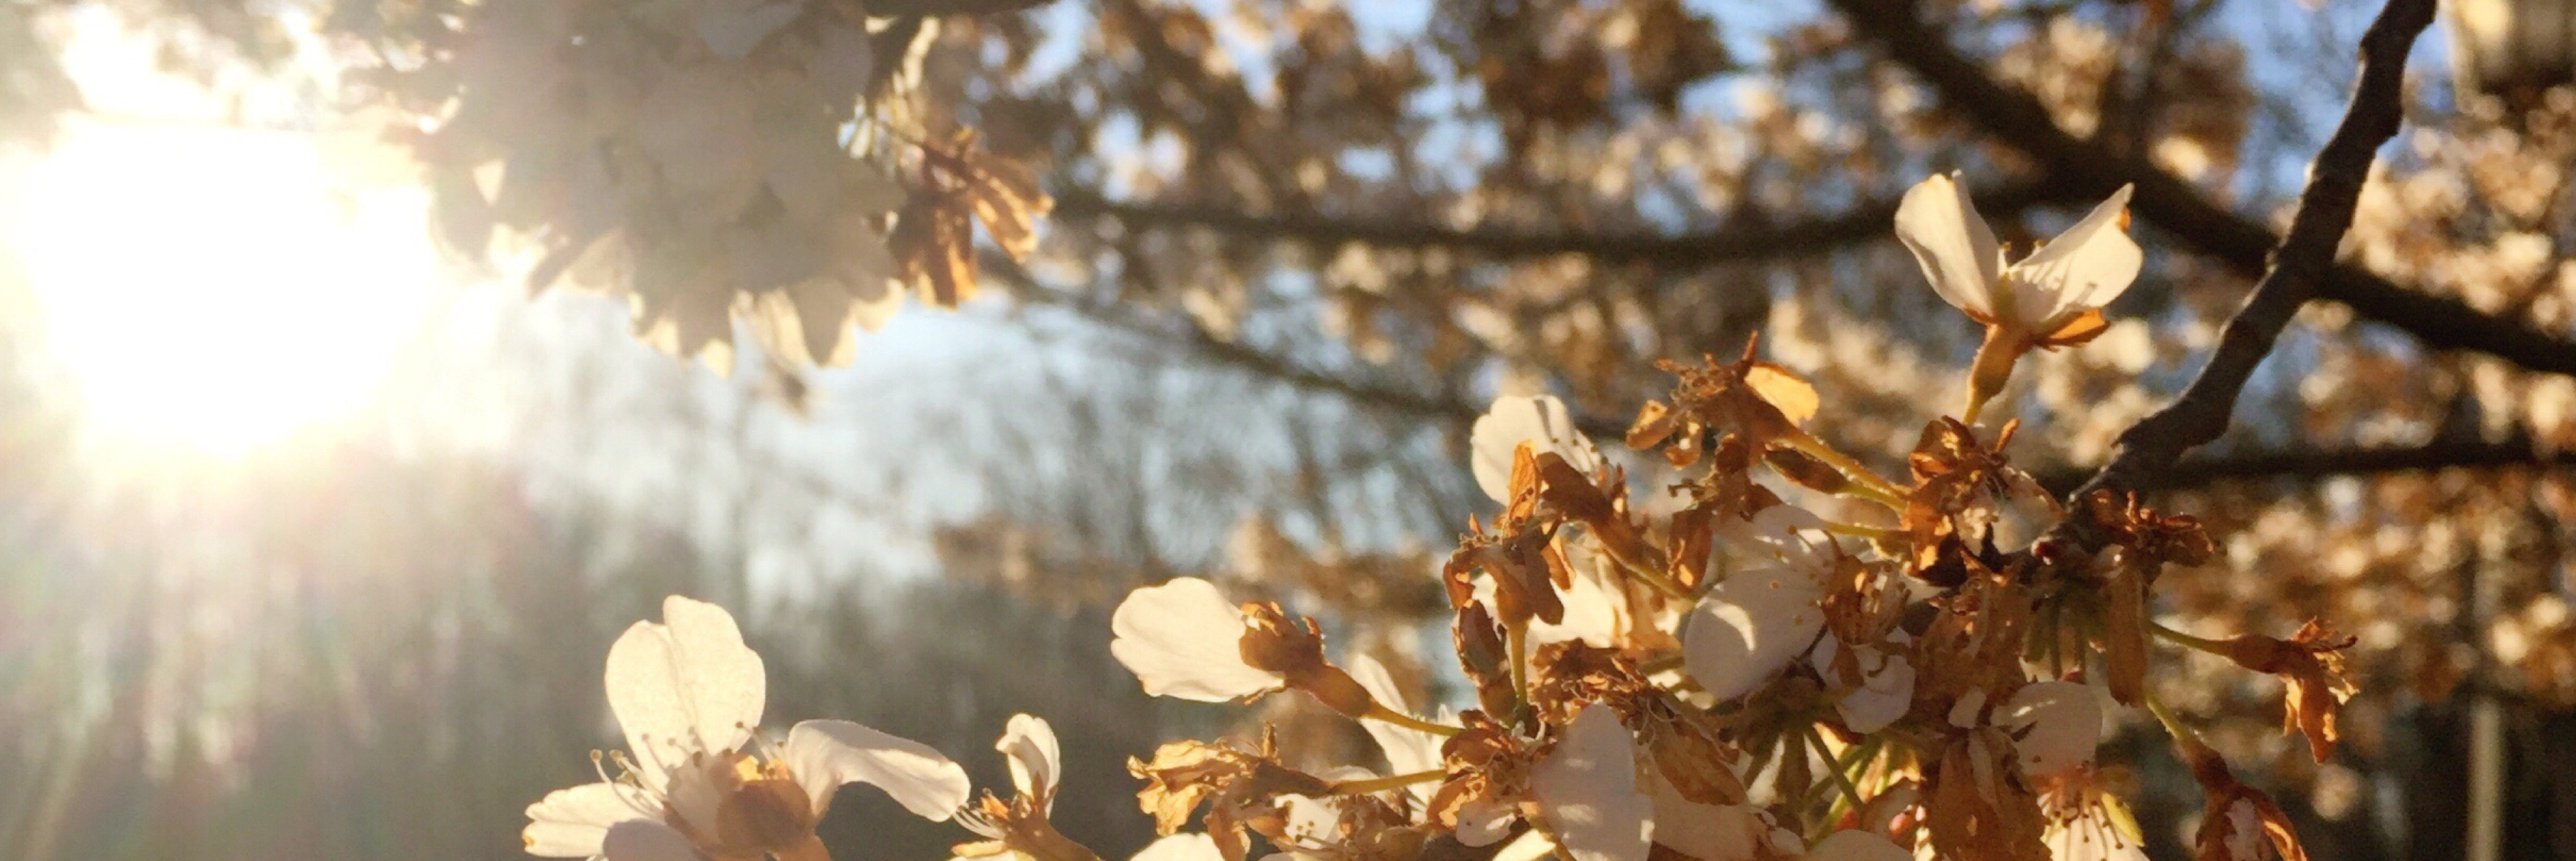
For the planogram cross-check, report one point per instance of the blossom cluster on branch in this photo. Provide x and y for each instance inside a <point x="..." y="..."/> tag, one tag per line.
<point x="1798" y="657"/>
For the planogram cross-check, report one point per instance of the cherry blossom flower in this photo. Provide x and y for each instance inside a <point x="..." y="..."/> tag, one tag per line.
<point x="1019" y="828"/>
<point x="1758" y="621"/>
<point x="2051" y="298"/>
<point x="1183" y="639"/>
<point x="2056" y="726"/>
<point x="1541" y="421"/>
<point x="688" y="694"/>
<point x="1587" y="790"/>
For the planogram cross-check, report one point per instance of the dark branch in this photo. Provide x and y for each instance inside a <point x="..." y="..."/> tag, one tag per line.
<point x="1744" y="241"/>
<point x="2311" y="465"/>
<point x="2089" y="168"/>
<point x="2151" y="448"/>
<point x="898" y="8"/>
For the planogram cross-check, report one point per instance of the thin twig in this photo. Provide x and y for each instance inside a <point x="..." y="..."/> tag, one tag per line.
<point x="2156" y="443"/>
<point x="2090" y="167"/>
<point x="1745" y="240"/>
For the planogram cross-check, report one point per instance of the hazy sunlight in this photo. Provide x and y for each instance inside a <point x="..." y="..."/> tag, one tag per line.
<point x="211" y="287"/>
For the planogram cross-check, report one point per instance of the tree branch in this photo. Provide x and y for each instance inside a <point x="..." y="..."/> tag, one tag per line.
<point x="2090" y="168"/>
<point x="2156" y="443"/>
<point x="898" y="8"/>
<point x="2310" y="465"/>
<point x="1744" y="241"/>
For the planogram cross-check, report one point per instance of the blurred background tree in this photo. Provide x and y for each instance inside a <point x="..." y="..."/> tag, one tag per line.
<point x="1294" y="247"/>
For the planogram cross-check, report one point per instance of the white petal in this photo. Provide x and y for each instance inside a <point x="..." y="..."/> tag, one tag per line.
<point x="824" y="754"/>
<point x="1708" y="832"/>
<point x="2082" y="269"/>
<point x="1028" y="744"/>
<point x="1587" y="789"/>
<point x="1593" y="608"/>
<point x="1957" y="251"/>
<point x="1186" y="846"/>
<point x="1407" y="750"/>
<point x="1857" y="846"/>
<point x="1886" y="691"/>
<point x="647" y="840"/>
<point x="2057" y="724"/>
<point x="1483" y="821"/>
<point x="1541" y="421"/>
<point x="688" y="684"/>
<point x="1750" y="627"/>
<point x="569" y="823"/>
<point x="1182" y="639"/>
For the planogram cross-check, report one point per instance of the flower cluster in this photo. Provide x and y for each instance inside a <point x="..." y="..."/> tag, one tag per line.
<point x="1837" y="665"/>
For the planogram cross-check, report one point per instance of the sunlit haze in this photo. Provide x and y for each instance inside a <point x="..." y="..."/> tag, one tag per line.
<point x="210" y="286"/>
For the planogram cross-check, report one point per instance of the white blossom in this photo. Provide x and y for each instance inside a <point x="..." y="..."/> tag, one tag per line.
<point x="2056" y="725"/>
<point x="688" y="695"/>
<point x="2081" y="270"/>
<point x="1541" y="421"/>
<point x="1587" y="790"/>
<point x="1182" y="639"/>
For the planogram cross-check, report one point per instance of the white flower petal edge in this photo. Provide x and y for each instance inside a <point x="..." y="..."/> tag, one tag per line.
<point x="571" y="823"/>
<point x="1887" y="685"/>
<point x="1587" y="789"/>
<point x="2083" y="268"/>
<point x="647" y="840"/>
<point x="825" y="754"/>
<point x="2058" y="724"/>
<point x="1951" y="241"/>
<point x="1407" y="750"/>
<point x="1750" y="627"/>
<point x="684" y="684"/>
<point x="1028" y="744"/>
<point x="1541" y="421"/>
<point x="1857" y="846"/>
<point x="1182" y="639"/>
<point x="1189" y="846"/>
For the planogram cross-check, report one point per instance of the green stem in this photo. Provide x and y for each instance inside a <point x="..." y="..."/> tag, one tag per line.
<point x="1379" y="711"/>
<point x="1516" y="641"/>
<point x="1865" y="483"/>
<point x="2204" y="644"/>
<point x="1851" y="793"/>
<point x="1381" y="784"/>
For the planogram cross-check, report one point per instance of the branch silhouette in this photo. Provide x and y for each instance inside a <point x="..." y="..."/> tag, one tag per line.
<point x="2090" y="168"/>
<point x="1746" y="240"/>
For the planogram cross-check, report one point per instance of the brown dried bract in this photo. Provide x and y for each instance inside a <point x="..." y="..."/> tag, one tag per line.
<point x="1236" y="782"/>
<point x="2224" y="800"/>
<point x="2311" y="666"/>
<point x="1958" y="481"/>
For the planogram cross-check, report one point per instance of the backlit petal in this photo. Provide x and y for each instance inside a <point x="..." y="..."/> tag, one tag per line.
<point x="825" y="754"/>
<point x="570" y="823"/>
<point x="2056" y="725"/>
<point x="1408" y="750"/>
<point x="1541" y="421"/>
<point x="1183" y="639"/>
<point x="647" y="840"/>
<point x="1957" y="251"/>
<point x="1036" y="762"/>
<point x="2084" y="268"/>
<point x="686" y="684"/>
<point x="1587" y="789"/>
<point x="1750" y="627"/>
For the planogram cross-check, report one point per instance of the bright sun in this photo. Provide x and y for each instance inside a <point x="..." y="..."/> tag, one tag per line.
<point x="211" y="287"/>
